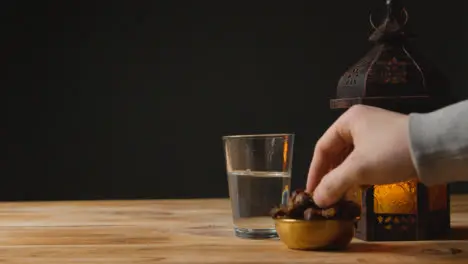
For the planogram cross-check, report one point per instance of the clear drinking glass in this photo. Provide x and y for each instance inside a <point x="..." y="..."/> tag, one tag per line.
<point x="259" y="177"/>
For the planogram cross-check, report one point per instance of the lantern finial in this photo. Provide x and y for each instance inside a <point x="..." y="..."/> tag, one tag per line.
<point x="393" y="25"/>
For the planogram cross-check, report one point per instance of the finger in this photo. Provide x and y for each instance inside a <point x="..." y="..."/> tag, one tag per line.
<point x="319" y="166"/>
<point x="337" y="182"/>
<point x="332" y="147"/>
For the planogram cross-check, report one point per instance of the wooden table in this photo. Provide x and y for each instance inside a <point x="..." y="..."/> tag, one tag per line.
<point x="181" y="231"/>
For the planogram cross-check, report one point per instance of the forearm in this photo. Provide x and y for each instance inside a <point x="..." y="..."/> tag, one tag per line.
<point x="439" y="144"/>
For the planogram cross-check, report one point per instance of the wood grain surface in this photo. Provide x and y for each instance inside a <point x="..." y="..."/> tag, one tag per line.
<point x="182" y="231"/>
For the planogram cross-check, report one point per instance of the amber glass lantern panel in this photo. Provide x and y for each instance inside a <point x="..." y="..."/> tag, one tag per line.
<point x="402" y="211"/>
<point x="398" y="198"/>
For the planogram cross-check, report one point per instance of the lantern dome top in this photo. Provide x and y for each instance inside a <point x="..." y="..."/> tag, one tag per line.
<point x="391" y="75"/>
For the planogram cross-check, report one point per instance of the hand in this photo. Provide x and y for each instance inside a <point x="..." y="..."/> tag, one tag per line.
<point x="365" y="146"/>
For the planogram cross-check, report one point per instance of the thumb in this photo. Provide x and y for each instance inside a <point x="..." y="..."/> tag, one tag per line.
<point x="338" y="181"/>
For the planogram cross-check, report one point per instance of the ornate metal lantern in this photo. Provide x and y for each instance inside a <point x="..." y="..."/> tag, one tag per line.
<point x="394" y="77"/>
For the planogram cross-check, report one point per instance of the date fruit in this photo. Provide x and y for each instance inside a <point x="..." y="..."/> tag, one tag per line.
<point x="302" y="206"/>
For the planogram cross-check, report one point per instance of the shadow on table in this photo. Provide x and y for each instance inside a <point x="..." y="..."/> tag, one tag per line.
<point x="453" y="247"/>
<point x="459" y="233"/>
<point x="427" y="249"/>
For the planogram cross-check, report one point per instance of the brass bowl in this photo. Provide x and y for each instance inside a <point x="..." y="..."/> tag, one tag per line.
<point x="315" y="234"/>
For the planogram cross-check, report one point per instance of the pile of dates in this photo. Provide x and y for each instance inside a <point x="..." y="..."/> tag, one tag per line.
<point x="302" y="206"/>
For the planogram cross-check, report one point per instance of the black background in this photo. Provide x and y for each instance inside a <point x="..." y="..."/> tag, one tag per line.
<point x="129" y="99"/>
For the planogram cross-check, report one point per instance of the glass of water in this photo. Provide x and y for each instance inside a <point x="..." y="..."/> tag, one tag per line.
<point x="259" y="178"/>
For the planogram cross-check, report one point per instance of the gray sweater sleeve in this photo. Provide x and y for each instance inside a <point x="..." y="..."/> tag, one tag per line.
<point x="439" y="144"/>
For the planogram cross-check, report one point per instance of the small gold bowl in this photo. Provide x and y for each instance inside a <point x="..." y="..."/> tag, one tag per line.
<point x="315" y="234"/>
